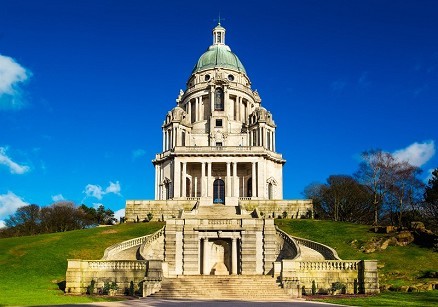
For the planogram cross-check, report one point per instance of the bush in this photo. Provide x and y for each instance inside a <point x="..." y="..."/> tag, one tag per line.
<point x="313" y="287"/>
<point x="284" y="214"/>
<point x="338" y="286"/>
<point x="323" y="291"/>
<point x="90" y="288"/>
<point x="131" y="288"/>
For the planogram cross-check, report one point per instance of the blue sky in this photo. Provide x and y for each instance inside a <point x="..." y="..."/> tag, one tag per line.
<point x="85" y="86"/>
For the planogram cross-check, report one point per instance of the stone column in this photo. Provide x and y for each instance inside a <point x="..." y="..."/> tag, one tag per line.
<point x="205" y="257"/>
<point x="226" y="102"/>
<point x="164" y="140"/>
<point x="209" y="183"/>
<point x="253" y="179"/>
<point x="196" y="186"/>
<point x="261" y="188"/>
<point x="177" y="179"/>
<point x="157" y="172"/>
<point x="211" y="99"/>
<point x="273" y="141"/>
<point x="243" y="186"/>
<point x="184" y="180"/>
<point x="203" y="189"/>
<point x="196" y="109"/>
<point x="235" y="181"/>
<point x="201" y="109"/>
<point x="189" y="110"/>
<point x="233" y="256"/>
<point x="228" y="187"/>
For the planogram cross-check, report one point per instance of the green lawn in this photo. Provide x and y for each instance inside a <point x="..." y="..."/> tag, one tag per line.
<point x="32" y="266"/>
<point x="398" y="266"/>
<point x="418" y="299"/>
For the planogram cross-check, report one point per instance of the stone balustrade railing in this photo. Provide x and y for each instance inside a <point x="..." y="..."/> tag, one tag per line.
<point x="257" y="150"/>
<point x="115" y="264"/>
<point x="224" y="222"/>
<point x="113" y="249"/>
<point x="328" y="265"/>
<point x="193" y="198"/>
<point x="149" y="239"/>
<point x="245" y="198"/>
<point x="290" y="241"/>
<point x="328" y="252"/>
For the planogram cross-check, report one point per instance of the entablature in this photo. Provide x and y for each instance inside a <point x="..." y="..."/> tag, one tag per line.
<point x="219" y="151"/>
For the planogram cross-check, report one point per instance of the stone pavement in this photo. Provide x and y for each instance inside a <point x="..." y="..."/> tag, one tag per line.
<point x="151" y="302"/>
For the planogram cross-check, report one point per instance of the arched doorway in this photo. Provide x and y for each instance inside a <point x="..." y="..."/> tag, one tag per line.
<point x="220" y="257"/>
<point x="219" y="191"/>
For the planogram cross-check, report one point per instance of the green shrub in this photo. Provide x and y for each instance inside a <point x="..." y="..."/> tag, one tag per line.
<point x="131" y="288"/>
<point x="284" y="214"/>
<point x="90" y="288"/>
<point x="313" y="287"/>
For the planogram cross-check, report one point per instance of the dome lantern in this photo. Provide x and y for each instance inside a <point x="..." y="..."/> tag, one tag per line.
<point x="219" y="35"/>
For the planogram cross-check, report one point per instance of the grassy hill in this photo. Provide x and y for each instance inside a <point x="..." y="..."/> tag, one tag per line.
<point x="398" y="266"/>
<point x="32" y="266"/>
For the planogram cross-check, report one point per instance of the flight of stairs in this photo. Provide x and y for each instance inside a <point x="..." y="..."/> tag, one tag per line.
<point x="257" y="287"/>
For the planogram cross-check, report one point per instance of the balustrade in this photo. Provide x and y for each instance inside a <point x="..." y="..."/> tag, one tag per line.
<point x="131" y="243"/>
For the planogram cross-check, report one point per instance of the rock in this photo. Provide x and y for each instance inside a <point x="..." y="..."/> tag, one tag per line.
<point x="413" y="289"/>
<point x="417" y="226"/>
<point x="404" y="238"/>
<point x="404" y="289"/>
<point x="385" y="244"/>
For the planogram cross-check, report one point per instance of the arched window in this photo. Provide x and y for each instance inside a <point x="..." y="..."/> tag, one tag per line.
<point x="218" y="191"/>
<point x="219" y="99"/>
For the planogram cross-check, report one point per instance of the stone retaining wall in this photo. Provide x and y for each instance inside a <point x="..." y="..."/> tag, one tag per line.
<point x="137" y="210"/>
<point x="363" y="273"/>
<point x="80" y="273"/>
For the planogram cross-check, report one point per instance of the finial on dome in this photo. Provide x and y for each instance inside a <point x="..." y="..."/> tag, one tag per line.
<point x="219" y="19"/>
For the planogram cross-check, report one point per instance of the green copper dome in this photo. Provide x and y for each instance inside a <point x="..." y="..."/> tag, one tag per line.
<point x="218" y="54"/>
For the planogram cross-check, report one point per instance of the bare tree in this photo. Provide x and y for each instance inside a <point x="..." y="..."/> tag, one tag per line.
<point x="375" y="172"/>
<point x="403" y="189"/>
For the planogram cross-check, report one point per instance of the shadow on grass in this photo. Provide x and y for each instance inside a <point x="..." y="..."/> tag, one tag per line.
<point x="61" y="285"/>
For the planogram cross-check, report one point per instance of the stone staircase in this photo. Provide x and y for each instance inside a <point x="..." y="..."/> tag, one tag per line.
<point x="257" y="288"/>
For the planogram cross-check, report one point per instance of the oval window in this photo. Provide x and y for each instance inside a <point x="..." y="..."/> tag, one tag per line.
<point x="231" y="77"/>
<point x="207" y="77"/>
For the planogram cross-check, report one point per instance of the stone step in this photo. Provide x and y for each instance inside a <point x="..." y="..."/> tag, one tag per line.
<point x="258" y="287"/>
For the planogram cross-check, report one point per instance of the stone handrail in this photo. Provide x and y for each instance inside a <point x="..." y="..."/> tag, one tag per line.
<point x="149" y="239"/>
<point x="245" y="198"/>
<point x="223" y="222"/>
<point x="289" y="240"/>
<point x="328" y="252"/>
<point x="329" y="265"/>
<point x="115" y="264"/>
<point x="113" y="249"/>
<point x="193" y="198"/>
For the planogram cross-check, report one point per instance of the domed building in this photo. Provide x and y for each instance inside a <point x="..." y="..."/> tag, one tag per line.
<point x="218" y="188"/>
<point x="219" y="142"/>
